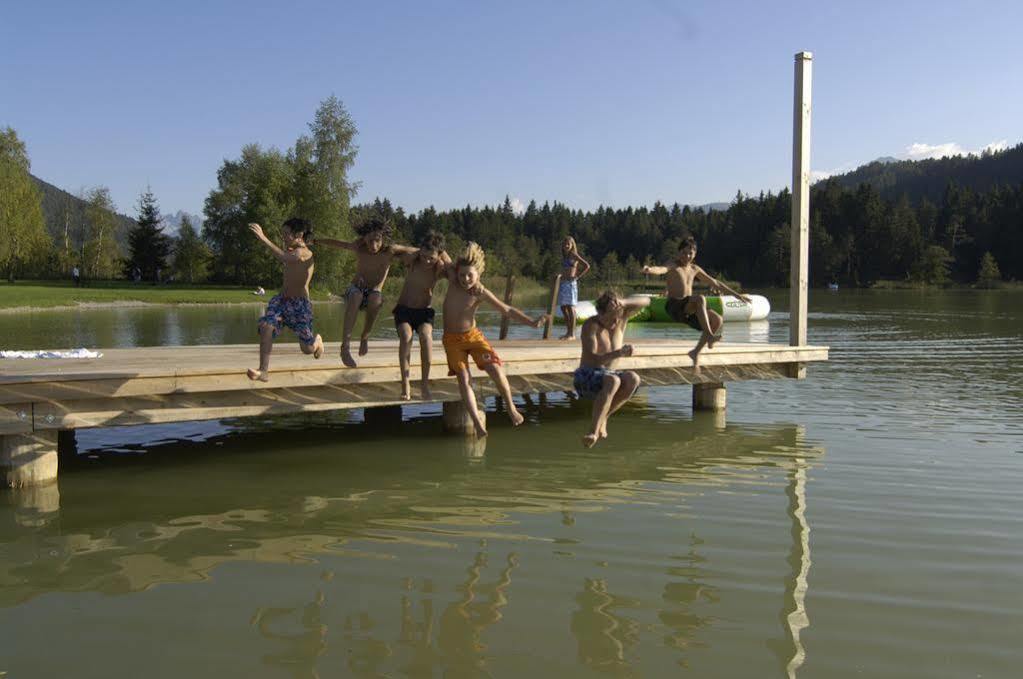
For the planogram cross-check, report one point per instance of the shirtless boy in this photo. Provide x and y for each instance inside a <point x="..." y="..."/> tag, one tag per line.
<point x="373" y="257"/>
<point x="463" y="339"/>
<point x="413" y="313"/>
<point x="291" y="307"/>
<point x="603" y="343"/>
<point x="685" y="307"/>
<point x="573" y="267"/>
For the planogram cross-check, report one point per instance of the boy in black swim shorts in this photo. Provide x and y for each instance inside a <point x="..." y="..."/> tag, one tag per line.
<point x="413" y="314"/>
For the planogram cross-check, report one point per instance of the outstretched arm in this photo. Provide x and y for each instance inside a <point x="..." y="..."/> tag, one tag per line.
<point x="714" y="283"/>
<point x="281" y="255"/>
<point x="655" y="270"/>
<point x="339" y="244"/>
<point x="507" y="310"/>
<point x="403" y="251"/>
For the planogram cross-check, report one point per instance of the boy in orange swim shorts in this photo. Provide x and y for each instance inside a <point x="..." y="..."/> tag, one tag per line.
<point x="462" y="339"/>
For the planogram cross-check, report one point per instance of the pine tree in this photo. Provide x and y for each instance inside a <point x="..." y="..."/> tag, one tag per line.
<point x="148" y="246"/>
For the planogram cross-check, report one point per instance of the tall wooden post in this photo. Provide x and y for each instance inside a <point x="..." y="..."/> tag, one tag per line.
<point x="553" y="306"/>
<point x="509" y="291"/>
<point x="800" y="221"/>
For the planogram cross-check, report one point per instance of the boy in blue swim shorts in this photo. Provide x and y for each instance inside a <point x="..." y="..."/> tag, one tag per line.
<point x="290" y="307"/>
<point x="603" y="343"/>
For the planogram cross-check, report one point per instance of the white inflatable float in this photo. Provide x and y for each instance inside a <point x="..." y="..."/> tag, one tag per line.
<point x="731" y="309"/>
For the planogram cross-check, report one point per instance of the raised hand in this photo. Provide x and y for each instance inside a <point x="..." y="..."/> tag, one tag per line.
<point x="257" y="229"/>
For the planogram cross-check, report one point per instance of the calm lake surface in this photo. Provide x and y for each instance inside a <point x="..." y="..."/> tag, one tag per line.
<point x="867" y="521"/>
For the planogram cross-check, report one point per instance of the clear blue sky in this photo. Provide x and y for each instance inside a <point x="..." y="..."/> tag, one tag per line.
<point x="589" y="103"/>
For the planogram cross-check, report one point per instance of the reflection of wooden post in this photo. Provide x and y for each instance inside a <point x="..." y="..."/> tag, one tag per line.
<point x="28" y="459"/>
<point x="800" y="221"/>
<point x="509" y="290"/>
<point x="553" y="306"/>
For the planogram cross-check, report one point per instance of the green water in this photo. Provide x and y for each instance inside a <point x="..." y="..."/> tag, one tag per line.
<point x="864" y="522"/>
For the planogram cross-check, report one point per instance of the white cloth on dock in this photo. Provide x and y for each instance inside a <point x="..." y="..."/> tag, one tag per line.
<point x="68" y="353"/>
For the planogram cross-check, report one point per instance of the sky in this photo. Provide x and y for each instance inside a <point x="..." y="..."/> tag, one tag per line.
<point x="587" y="103"/>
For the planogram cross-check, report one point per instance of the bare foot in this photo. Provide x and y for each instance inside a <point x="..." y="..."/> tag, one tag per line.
<point x="346" y="356"/>
<point x="363" y="346"/>
<point x="695" y="355"/>
<point x="406" y="391"/>
<point x="567" y="337"/>
<point x="603" y="432"/>
<point x="515" y="416"/>
<point x="712" y="340"/>
<point x="481" y="431"/>
<point x="258" y="375"/>
<point x="318" y="347"/>
<point x="590" y="440"/>
<point x="424" y="390"/>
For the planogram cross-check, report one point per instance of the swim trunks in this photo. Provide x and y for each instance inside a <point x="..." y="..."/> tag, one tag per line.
<point x="568" y="293"/>
<point x="294" y="312"/>
<point x="589" y="381"/>
<point x="459" y="346"/>
<point x="412" y="316"/>
<point x="676" y="309"/>
<point x="366" y="292"/>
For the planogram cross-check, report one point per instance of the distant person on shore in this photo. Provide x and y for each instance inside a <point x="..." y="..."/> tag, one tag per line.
<point x="76" y="276"/>
<point x="603" y="339"/>
<point x="414" y="314"/>
<point x="291" y="306"/>
<point x="685" y="307"/>
<point x="463" y="339"/>
<point x="373" y="257"/>
<point x="573" y="267"/>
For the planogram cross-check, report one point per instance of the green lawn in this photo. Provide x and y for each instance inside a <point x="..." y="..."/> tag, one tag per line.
<point x="61" y="293"/>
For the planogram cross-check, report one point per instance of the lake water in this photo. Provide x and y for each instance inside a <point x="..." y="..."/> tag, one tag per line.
<point x="867" y="521"/>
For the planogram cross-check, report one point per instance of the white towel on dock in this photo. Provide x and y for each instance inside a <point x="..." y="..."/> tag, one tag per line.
<point x="68" y="353"/>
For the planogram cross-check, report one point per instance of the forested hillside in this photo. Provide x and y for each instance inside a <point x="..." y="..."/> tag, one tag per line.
<point x="66" y="214"/>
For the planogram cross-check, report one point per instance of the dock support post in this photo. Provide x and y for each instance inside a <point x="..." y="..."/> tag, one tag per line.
<point x="509" y="292"/>
<point x="457" y="420"/>
<point x="800" y="219"/>
<point x="553" y="307"/>
<point x="709" y="396"/>
<point x="28" y="459"/>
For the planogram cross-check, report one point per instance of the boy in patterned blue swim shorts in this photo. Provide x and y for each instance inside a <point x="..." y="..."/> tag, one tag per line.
<point x="602" y="343"/>
<point x="291" y="307"/>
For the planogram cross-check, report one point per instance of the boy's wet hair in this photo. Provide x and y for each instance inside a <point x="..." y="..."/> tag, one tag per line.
<point x="472" y="255"/>
<point x="374" y="223"/>
<point x="299" y="227"/>
<point x="606" y="299"/>
<point x="432" y="241"/>
<point x="688" y="240"/>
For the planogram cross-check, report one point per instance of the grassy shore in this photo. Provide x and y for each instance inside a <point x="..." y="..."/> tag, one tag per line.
<point x="55" y="294"/>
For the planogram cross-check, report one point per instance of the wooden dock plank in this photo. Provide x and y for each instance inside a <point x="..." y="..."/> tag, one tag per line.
<point x="168" y="384"/>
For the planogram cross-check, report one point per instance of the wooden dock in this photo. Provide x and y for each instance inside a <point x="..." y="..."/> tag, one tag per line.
<point x="39" y="398"/>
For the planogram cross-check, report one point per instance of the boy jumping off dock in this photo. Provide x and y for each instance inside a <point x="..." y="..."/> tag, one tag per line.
<point x="463" y="339"/>
<point x="603" y="338"/>
<point x="290" y="307"/>
<point x="685" y="307"/>
<point x="413" y="313"/>
<point x="373" y="257"/>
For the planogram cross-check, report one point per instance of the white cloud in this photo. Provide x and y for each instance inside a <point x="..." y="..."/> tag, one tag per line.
<point x="518" y="207"/>
<point x="920" y="151"/>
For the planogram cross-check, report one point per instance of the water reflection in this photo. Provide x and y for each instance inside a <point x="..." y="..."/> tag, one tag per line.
<point x="346" y="492"/>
